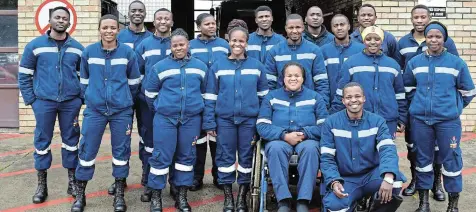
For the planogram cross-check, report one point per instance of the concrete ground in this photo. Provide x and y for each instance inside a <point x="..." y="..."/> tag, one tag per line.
<point x="18" y="180"/>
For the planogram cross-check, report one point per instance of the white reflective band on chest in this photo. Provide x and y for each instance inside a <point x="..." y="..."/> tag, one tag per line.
<point x="201" y="140"/>
<point x="200" y="50"/>
<point x="244" y="170"/>
<point x="86" y="163"/>
<point x="361" y="69"/>
<point x="219" y="49"/>
<point x="253" y="48"/>
<point x="119" y="61"/>
<point x="69" y="148"/>
<point x="130" y="45"/>
<point x="397" y="184"/>
<point x="425" y="169"/>
<point x="45" y="50"/>
<point x="168" y="52"/>
<point x="159" y="172"/>
<point x="98" y="61"/>
<point x="271" y="77"/>
<point x="74" y="51"/>
<point x="341" y="210"/>
<point x="148" y="149"/>
<point x="43" y="152"/>
<point x="449" y="174"/>
<point x="306" y="56"/>
<point x="445" y="70"/>
<point x="320" y="121"/>
<point x="151" y="94"/>
<point x="408" y="50"/>
<point x="209" y="96"/>
<point x="150" y="53"/>
<point x="224" y="72"/>
<point x="367" y="133"/>
<point x="229" y="169"/>
<point x="268" y="47"/>
<point x="384" y="142"/>
<point x="279" y="58"/>
<point x="251" y="72"/>
<point x="133" y="81"/>
<point x="345" y="59"/>
<point x="266" y="121"/>
<point x="388" y="70"/>
<point x="195" y="71"/>
<point x="339" y="92"/>
<point x="331" y="61"/>
<point x="408" y="89"/>
<point x="327" y="150"/>
<point x="342" y="133"/>
<point x="319" y="77"/>
<point x="118" y="162"/>
<point x="468" y="93"/>
<point x="262" y="93"/>
<point x="420" y="70"/>
<point x="279" y="102"/>
<point x="183" y="168"/>
<point x="26" y="71"/>
<point x="168" y="73"/>
<point x="306" y="102"/>
<point x="400" y="96"/>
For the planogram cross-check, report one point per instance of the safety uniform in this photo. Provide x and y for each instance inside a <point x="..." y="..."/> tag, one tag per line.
<point x="131" y="38"/>
<point x="389" y="44"/>
<point x="308" y="55"/>
<point x="110" y="81"/>
<point x="334" y="56"/>
<point x="259" y="45"/>
<point x="320" y="40"/>
<point x="234" y="91"/>
<point x="442" y="87"/>
<point x="283" y="112"/>
<point x="381" y="78"/>
<point x="174" y="90"/>
<point x="150" y="51"/>
<point x="48" y="81"/>
<point x="357" y="153"/>
<point x="208" y="51"/>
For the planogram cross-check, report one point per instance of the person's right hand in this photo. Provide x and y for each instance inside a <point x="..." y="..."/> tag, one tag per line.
<point x="212" y="133"/>
<point x="293" y="138"/>
<point x="339" y="190"/>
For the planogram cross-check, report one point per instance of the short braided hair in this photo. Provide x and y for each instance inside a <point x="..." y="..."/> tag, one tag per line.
<point x="179" y="32"/>
<point x="236" y="23"/>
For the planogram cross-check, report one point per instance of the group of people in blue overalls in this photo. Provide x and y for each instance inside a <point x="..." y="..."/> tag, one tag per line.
<point x="335" y="99"/>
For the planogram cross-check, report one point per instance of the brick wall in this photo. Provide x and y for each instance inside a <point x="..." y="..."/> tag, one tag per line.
<point x="86" y="32"/>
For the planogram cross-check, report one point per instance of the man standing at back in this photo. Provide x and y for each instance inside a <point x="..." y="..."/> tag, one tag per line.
<point x="314" y="31"/>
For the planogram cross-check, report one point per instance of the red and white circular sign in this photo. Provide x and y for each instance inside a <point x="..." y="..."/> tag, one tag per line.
<point x="42" y="15"/>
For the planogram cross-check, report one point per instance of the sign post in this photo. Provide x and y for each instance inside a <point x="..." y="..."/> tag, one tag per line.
<point x="42" y="15"/>
<point x="437" y="7"/>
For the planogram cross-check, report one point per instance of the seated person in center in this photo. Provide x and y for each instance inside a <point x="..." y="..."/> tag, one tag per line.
<point x="358" y="156"/>
<point x="289" y="120"/>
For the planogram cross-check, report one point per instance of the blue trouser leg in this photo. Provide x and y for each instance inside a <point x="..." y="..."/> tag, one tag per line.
<point x="448" y="136"/>
<point x="278" y="154"/>
<point x="45" y="116"/>
<point x="392" y="128"/>
<point x="121" y="127"/>
<point x="145" y="128"/>
<point x="165" y="144"/>
<point x="424" y="137"/>
<point x="94" y="124"/>
<point x="68" y="113"/>
<point x="308" y="165"/>
<point x="246" y="132"/>
<point x="227" y="140"/>
<point x="186" y="151"/>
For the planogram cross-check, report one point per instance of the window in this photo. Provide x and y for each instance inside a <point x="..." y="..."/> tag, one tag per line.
<point x="8" y="42"/>
<point x="9" y="32"/>
<point x="8" y="4"/>
<point x="203" y="6"/>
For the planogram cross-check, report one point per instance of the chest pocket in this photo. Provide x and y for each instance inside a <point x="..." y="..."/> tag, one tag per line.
<point x="305" y="112"/>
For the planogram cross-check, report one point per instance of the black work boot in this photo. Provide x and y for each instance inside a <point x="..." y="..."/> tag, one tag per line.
<point x="119" y="201"/>
<point x="156" y="201"/>
<point x="42" y="189"/>
<point x="146" y="195"/>
<point x="228" y="203"/>
<point x="437" y="190"/>
<point x="411" y="189"/>
<point x="181" y="202"/>
<point x="173" y="191"/>
<point x="241" y="205"/>
<point x="71" y="183"/>
<point x="362" y="204"/>
<point x="112" y="189"/>
<point x="80" y="201"/>
<point x="424" y="205"/>
<point x="453" y="203"/>
<point x="197" y="185"/>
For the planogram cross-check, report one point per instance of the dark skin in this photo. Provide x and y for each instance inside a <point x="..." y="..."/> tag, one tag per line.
<point x="108" y="30"/>
<point x="264" y="20"/>
<point x="340" y="28"/>
<point x="420" y="18"/>
<point x="366" y="17"/>
<point x="435" y="41"/>
<point x="208" y="28"/>
<point x="137" y="15"/>
<point x="294" y="29"/>
<point x="59" y="22"/>
<point x="179" y="46"/>
<point x="314" y="19"/>
<point x="163" y="22"/>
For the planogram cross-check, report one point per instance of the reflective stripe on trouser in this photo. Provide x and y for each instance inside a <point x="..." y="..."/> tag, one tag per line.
<point x="94" y="124"/>
<point x="411" y="146"/>
<point x="278" y="154"/>
<point x="145" y="119"/>
<point x="45" y="115"/>
<point x="199" y="167"/>
<point x="357" y="187"/>
<point x="448" y="135"/>
<point x="174" y="147"/>
<point x="231" y="138"/>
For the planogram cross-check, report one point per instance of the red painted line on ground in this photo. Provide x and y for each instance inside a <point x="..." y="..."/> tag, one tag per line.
<point x="3" y="154"/>
<point x="15" y="173"/>
<point x="4" y="136"/>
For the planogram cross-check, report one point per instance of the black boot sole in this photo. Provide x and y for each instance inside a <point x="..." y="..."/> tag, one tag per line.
<point x="145" y="197"/>
<point x="120" y="209"/>
<point x="39" y="201"/>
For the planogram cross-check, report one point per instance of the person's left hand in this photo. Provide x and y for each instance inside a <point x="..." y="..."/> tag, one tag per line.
<point x="385" y="191"/>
